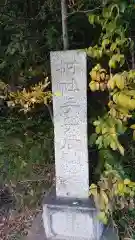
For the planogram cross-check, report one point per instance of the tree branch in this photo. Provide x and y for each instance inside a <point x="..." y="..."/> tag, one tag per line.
<point x="64" y="24"/>
<point x="85" y="11"/>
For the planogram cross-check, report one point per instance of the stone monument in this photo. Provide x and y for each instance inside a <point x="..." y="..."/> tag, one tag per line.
<point x="68" y="212"/>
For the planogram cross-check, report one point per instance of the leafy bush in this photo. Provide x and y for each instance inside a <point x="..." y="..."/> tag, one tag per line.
<point x="24" y="143"/>
<point x="113" y="76"/>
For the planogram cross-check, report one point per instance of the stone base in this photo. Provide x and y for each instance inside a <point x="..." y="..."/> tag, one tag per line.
<point x="51" y="224"/>
<point x="37" y="231"/>
<point x="70" y="219"/>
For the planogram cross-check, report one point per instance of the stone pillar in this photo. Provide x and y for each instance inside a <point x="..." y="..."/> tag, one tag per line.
<point x="68" y="213"/>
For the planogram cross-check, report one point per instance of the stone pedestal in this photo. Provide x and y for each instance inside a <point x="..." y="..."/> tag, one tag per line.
<point x="71" y="219"/>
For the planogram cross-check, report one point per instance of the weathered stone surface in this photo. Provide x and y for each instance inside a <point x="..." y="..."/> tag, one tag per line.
<point x="70" y="219"/>
<point x="37" y="231"/>
<point x="69" y="85"/>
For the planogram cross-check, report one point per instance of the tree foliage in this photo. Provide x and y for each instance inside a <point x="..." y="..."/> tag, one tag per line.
<point x="113" y="75"/>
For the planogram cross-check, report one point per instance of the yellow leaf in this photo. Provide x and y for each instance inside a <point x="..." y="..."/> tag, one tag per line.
<point x="112" y="131"/>
<point x="102" y="217"/>
<point x="98" y="77"/>
<point x="97" y="67"/>
<point x="121" y="149"/>
<point x="107" y="77"/>
<point x="111" y="84"/>
<point x="93" y="75"/>
<point x="98" y="129"/>
<point x="58" y="94"/>
<point x="105" y="42"/>
<point x="104" y="130"/>
<point x="105" y="197"/>
<point x="92" y="86"/>
<point x="129" y="92"/>
<point x="113" y="145"/>
<point x="132" y="184"/>
<point x="113" y="112"/>
<point x="102" y="76"/>
<point x="93" y="190"/>
<point x="123" y="100"/>
<point x="127" y="181"/>
<point x="121" y="187"/>
<point x="115" y="97"/>
<point x="132" y="126"/>
<point x="102" y="70"/>
<point x="101" y="202"/>
<point x="132" y="104"/>
<point x="120" y="81"/>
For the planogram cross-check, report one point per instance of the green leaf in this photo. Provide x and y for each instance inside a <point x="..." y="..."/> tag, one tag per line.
<point x="91" y="18"/>
<point x="122" y="60"/>
<point x="113" y="46"/>
<point x="105" y="12"/>
<point x="120" y="127"/>
<point x="96" y="123"/>
<point x="89" y="52"/>
<point x="111" y="27"/>
<point x="112" y="63"/>
<point x="98" y="129"/>
<point x="121" y="149"/>
<point x="92" y="139"/>
<point x="105" y="43"/>
<point x="112" y="12"/>
<point x="123" y="6"/>
<point x="2" y="65"/>
<point x="99" y="142"/>
<point x="134" y="135"/>
<point x="102" y="217"/>
<point x="106" y="141"/>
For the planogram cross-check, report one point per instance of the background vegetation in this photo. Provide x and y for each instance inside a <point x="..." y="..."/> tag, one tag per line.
<point x="29" y="30"/>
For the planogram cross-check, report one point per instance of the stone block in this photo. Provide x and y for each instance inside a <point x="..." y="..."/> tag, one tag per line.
<point x="37" y="231"/>
<point x="71" y="219"/>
